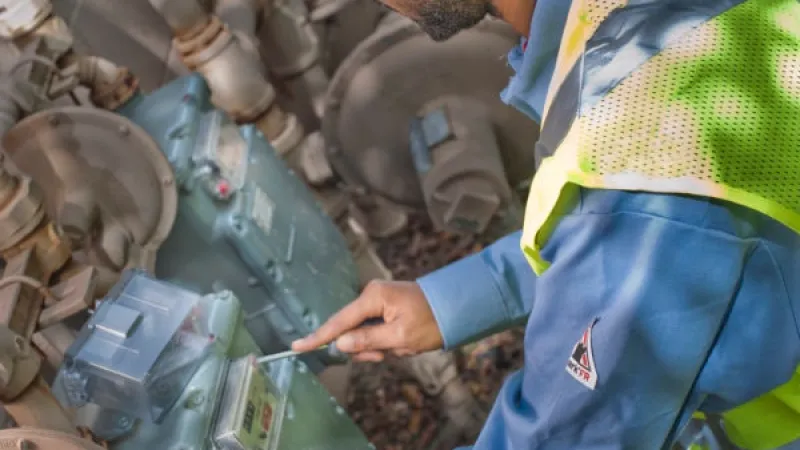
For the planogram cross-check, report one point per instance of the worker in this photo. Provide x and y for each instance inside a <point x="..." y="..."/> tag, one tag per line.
<point x="658" y="269"/>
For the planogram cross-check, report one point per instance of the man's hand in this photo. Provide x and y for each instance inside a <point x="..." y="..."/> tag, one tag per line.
<point x="409" y="326"/>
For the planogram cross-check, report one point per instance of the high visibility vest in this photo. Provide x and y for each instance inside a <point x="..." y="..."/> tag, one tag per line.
<point x="698" y="97"/>
<point x="768" y="422"/>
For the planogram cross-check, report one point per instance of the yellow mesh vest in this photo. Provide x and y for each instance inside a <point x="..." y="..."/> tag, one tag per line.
<point x="715" y="113"/>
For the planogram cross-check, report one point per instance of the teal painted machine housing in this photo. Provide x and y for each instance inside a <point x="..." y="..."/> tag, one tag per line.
<point x="265" y="237"/>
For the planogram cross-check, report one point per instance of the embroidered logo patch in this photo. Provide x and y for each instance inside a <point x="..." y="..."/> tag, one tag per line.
<point x="581" y="362"/>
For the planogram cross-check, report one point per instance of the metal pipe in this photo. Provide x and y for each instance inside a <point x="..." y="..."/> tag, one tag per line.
<point x="234" y="73"/>
<point x="240" y="15"/>
<point x="10" y="112"/>
<point x="182" y="15"/>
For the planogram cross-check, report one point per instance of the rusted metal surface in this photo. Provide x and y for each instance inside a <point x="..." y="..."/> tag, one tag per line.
<point x="22" y="210"/>
<point x="19" y="364"/>
<point x="113" y="95"/>
<point x="74" y="295"/>
<point x="50" y="248"/>
<point x="20" y="303"/>
<point x="53" y="343"/>
<point x="37" y="407"/>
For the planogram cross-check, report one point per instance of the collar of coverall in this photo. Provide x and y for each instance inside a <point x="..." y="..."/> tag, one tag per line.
<point x="533" y="60"/>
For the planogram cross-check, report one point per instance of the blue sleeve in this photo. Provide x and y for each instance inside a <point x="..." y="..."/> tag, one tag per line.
<point x="482" y="293"/>
<point x="625" y="320"/>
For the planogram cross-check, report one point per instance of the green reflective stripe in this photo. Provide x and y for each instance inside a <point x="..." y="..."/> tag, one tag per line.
<point x="768" y="422"/>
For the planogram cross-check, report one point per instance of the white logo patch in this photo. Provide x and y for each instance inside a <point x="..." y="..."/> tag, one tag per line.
<point x="581" y="362"/>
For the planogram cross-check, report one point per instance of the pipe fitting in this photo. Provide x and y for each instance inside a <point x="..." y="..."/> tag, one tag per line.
<point x="110" y="86"/>
<point x="290" y="136"/>
<point x="460" y="167"/>
<point x="21" y="212"/>
<point x="236" y="80"/>
<point x="51" y="41"/>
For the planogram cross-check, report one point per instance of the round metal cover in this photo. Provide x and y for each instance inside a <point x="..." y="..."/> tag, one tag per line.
<point x="74" y="148"/>
<point x="385" y="81"/>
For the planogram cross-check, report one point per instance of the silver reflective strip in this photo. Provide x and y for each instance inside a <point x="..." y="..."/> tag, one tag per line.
<point x="625" y="40"/>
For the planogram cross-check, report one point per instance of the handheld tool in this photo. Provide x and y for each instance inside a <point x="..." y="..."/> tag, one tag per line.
<point x="287" y="354"/>
<point x="331" y="348"/>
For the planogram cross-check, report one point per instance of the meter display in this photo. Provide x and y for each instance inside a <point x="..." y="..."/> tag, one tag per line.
<point x="249" y="407"/>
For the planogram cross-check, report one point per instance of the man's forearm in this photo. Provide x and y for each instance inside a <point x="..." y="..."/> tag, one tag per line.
<point x="482" y="293"/>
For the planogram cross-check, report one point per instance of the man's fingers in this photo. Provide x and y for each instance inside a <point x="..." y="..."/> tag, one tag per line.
<point x="368" y="357"/>
<point x="349" y="317"/>
<point x="370" y="338"/>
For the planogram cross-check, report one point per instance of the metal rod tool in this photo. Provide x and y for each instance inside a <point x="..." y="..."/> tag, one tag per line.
<point x="331" y="348"/>
<point x="286" y="354"/>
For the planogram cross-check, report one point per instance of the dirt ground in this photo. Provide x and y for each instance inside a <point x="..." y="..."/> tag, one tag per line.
<point x="394" y="412"/>
<point x="384" y="400"/>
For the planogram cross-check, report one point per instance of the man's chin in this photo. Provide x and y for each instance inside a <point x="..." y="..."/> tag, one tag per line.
<point x="438" y="34"/>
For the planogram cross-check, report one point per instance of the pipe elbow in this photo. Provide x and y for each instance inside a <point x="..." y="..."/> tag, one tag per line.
<point x="110" y="85"/>
<point x="94" y="71"/>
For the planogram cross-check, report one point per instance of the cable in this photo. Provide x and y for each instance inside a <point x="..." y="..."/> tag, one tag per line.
<point x="29" y="281"/>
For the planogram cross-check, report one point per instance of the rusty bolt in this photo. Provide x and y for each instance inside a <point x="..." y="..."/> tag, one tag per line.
<point x="19" y="344"/>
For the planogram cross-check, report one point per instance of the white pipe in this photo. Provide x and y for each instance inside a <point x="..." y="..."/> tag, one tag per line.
<point x="181" y="15"/>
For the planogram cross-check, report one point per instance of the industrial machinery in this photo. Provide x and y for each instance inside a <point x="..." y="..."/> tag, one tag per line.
<point x="102" y="202"/>
<point x="157" y="363"/>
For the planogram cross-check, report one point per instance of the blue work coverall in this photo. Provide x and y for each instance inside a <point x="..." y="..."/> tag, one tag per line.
<point x="656" y="275"/>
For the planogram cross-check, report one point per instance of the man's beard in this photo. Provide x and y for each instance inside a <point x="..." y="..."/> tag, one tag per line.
<point x="443" y="19"/>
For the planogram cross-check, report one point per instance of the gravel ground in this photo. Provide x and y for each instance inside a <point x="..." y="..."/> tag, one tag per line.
<point x="395" y="414"/>
<point x="384" y="400"/>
